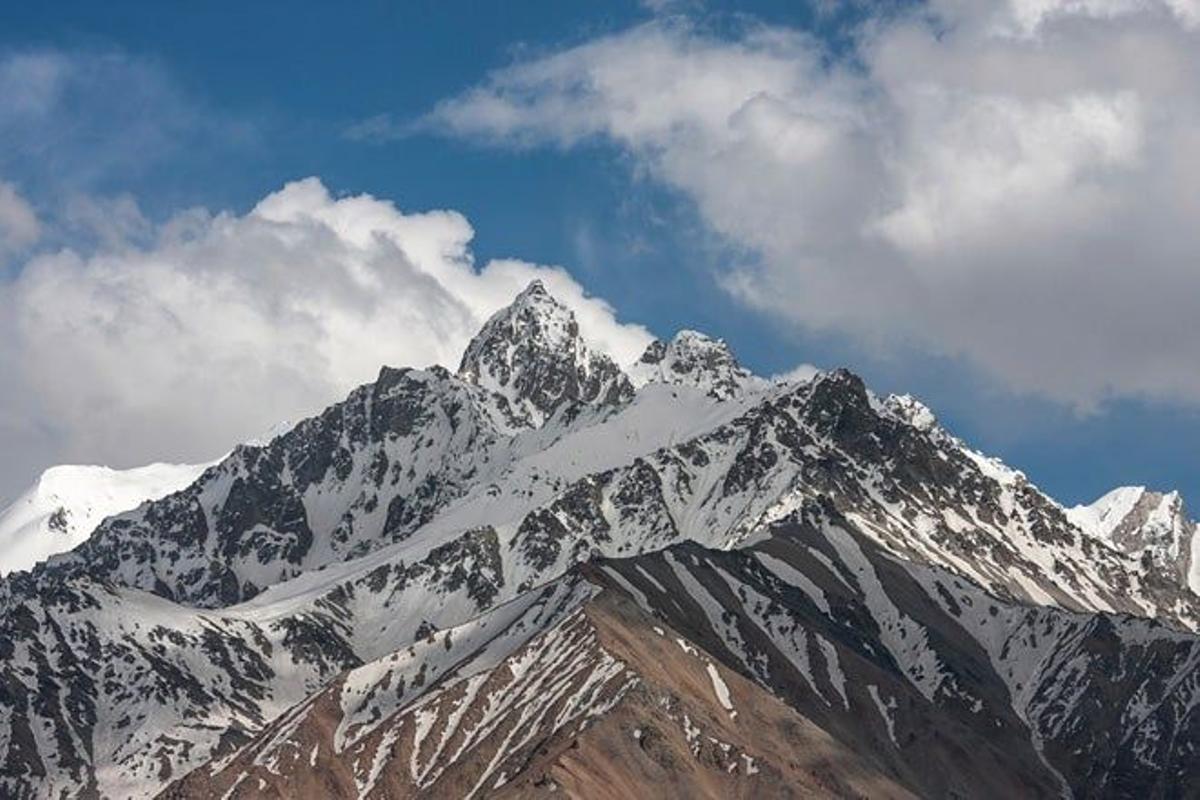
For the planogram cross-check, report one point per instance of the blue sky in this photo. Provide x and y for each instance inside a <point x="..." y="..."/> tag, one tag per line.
<point x="217" y="105"/>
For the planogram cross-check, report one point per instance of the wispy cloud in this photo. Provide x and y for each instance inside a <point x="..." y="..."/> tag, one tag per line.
<point x="380" y="128"/>
<point x="98" y="119"/>
<point x="19" y="225"/>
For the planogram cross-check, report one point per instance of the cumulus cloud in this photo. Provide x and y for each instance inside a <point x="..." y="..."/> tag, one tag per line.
<point x="1008" y="183"/>
<point x="210" y="328"/>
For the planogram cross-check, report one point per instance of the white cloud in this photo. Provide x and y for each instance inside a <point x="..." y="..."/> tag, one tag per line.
<point x="19" y="226"/>
<point x="1028" y="17"/>
<point x="221" y="325"/>
<point x="1009" y="183"/>
<point x="797" y="374"/>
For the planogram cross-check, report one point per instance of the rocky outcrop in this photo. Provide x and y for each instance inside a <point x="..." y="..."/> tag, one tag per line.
<point x="693" y="359"/>
<point x="531" y="354"/>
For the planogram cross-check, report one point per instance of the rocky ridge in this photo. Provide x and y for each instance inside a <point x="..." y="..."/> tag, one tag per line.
<point x="369" y="570"/>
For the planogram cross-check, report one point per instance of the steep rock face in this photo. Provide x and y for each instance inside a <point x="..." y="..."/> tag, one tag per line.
<point x="1154" y="527"/>
<point x="693" y="359"/>
<point x="955" y="691"/>
<point x="531" y="354"/>
<point x="916" y="490"/>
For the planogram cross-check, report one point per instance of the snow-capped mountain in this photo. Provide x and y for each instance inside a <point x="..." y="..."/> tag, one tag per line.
<point x="693" y="359"/>
<point x="1151" y="526"/>
<point x="531" y="355"/>
<point x="544" y="573"/>
<point x="67" y="502"/>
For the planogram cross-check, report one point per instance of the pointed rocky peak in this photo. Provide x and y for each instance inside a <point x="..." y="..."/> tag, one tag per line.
<point x="839" y="405"/>
<point x="531" y="353"/>
<point x="693" y="359"/>
<point x="841" y="387"/>
<point x="1151" y="525"/>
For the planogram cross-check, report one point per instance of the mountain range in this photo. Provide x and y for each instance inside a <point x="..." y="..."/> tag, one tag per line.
<point x="548" y="572"/>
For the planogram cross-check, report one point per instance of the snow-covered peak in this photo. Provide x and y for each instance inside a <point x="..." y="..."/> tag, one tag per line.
<point x="1102" y="516"/>
<point x="412" y="525"/>
<point x="1132" y="514"/>
<point x="532" y="354"/>
<point x="911" y="410"/>
<point x="67" y="502"/>
<point x="1145" y="523"/>
<point x="694" y="359"/>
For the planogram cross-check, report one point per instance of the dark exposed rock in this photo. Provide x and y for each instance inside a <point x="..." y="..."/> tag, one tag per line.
<point x="531" y="353"/>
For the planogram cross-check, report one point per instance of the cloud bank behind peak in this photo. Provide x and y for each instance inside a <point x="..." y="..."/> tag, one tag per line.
<point x="214" y="326"/>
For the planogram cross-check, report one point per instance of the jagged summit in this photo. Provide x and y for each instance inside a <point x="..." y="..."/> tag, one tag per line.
<point x="692" y="358"/>
<point x="531" y="353"/>
<point x="1152" y="526"/>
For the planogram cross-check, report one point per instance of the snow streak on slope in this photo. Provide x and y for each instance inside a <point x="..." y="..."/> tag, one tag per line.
<point x="122" y="686"/>
<point x="473" y="698"/>
<point x="601" y="703"/>
<point x="1022" y="694"/>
